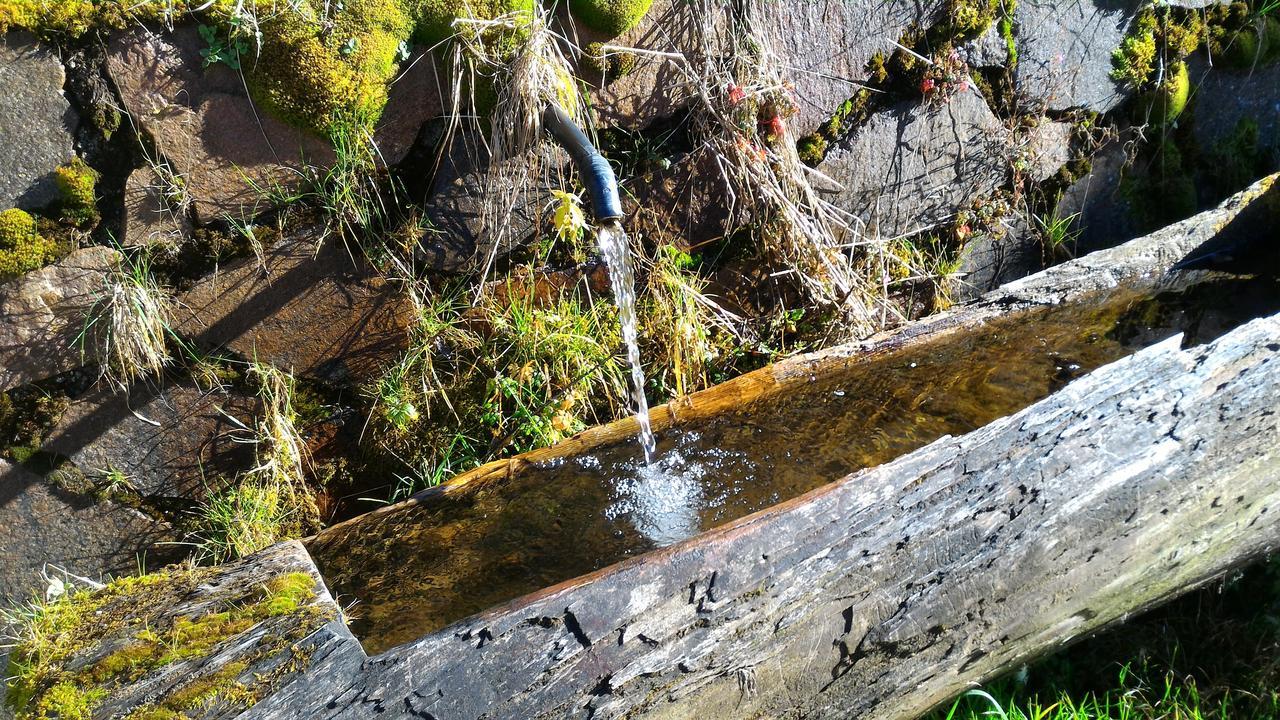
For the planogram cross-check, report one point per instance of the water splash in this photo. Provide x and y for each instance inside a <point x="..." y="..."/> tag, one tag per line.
<point x="670" y="499"/>
<point x="616" y="247"/>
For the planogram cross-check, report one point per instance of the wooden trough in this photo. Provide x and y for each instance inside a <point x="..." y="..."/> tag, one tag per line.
<point x="886" y="592"/>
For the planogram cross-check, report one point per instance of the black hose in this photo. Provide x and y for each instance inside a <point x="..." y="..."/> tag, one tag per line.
<point x="597" y="174"/>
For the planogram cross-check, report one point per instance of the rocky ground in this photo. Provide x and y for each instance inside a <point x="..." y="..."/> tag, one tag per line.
<point x="966" y="144"/>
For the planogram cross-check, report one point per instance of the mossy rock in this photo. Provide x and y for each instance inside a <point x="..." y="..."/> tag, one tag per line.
<point x="435" y="17"/>
<point x="610" y="66"/>
<point x="22" y="247"/>
<point x="331" y="75"/>
<point x="612" y="17"/>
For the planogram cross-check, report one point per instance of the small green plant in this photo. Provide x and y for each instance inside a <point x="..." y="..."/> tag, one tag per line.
<point x="226" y="48"/>
<point x="127" y="329"/>
<point x="549" y="359"/>
<point x="685" y="331"/>
<point x="1059" y="233"/>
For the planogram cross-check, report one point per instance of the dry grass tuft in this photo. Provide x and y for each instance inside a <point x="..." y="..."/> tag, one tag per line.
<point x="127" y="329"/>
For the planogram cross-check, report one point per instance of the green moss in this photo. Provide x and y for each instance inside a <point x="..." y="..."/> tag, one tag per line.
<point x="150" y="712"/>
<point x="1164" y="192"/>
<point x="328" y="75"/>
<point x="612" y="17"/>
<point x="965" y="19"/>
<point x="66" y="701"/>
<point x="608" y="67"/>
<point x="22" y="248"/>
<point x="77" y="190"/>
<point x="1235" y="161"/>
<point x="51" y="681"/>
<point x="1134" y="61"/>
<point x="286" y="594"/>
<point x="435" y="17"/>
<point x="812" y="149"/>
<point x="1006" y="33"/>
<point x="221" y="685"/>
<point x="1164" y="104"/>
<point x="1271" y="39"/>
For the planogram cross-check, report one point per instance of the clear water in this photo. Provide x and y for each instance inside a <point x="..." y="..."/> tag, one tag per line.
<point x="616" y="248"/>
<point x="423" y="565"/>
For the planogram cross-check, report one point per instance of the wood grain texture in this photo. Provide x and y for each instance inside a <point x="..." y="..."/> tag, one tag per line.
<point x="891" y="590"/>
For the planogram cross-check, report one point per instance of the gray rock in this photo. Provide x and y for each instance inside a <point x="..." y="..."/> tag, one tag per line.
<point x="306" y="307"/>
<point x="458" y="239"/>
<point x="205" y="125"/>
<point x="1046" y="148"/>
<point x="823" y="46"/>
<point x="37" y="124"/>
<point x="173" y="442"/>
<point x="1224" y="99"/>
<point x="991" y="259"/>
<point x="987" y="50"/>
<point x="684" y="201"/>
<point x="40" y="524"/>
<point x="914" y="165"/>
<point x="1104" y="217"/>
<point x="1064" y="51"/>
<point x="43" y="312"/>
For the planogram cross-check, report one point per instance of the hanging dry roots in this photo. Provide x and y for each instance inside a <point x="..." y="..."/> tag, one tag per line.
<point x="743" y="110"/>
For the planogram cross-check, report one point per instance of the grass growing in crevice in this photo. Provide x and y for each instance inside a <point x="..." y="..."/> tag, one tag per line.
<point x="525" y="368"/>
<point x="272" y="501"/>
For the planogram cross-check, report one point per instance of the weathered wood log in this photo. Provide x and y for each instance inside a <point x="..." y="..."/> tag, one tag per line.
<point x="891" y="590"/>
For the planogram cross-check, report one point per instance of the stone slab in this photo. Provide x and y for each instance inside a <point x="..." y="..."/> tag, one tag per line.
<point x="315" y="308"/>
<point x="40" y="524"/>
<point x="43" y="312"/>
<point x="37" y="124"/>
<point x="170" y="442"/>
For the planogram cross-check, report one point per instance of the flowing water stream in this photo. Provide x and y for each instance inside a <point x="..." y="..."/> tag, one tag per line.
<point x="616" y="248"/>
<point x="421" y="566"/>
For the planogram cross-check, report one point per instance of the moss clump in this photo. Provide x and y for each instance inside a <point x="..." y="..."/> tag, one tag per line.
<point x="612" y="17"/>
<point x="1134" y="61"/>
<point x="329" y="74"/>
<point x="964" y="19"/>
<point x="435" y="17"/>
<point x="609" y="66"/>
<point x="77" y="189"/>
<point x="812" y="149"/>
<point x="1163" y="192"/>
<point x="1164" y="104"/>
<point x="22" y="247"/>
<point x="1238" y="159"/>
